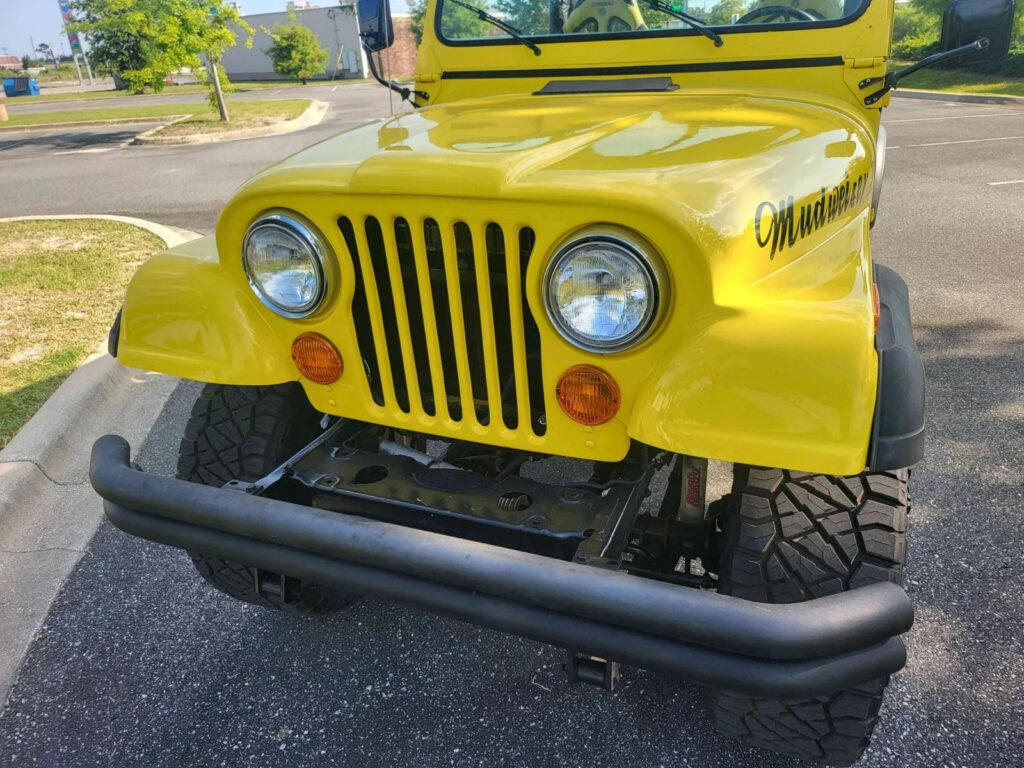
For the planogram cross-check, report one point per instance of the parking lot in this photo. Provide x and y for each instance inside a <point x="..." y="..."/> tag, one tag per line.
<point x="141" y="664"/>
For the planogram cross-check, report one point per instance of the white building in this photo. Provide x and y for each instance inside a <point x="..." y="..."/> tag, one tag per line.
<point x="336" y="28"/>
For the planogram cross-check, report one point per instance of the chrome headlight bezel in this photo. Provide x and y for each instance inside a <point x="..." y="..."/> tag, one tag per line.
<point x="628" y="248"/>
<point x="308" y="237"/>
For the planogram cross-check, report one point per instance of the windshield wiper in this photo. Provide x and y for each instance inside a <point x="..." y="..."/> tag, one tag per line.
<point x="515" y="34"/>
<point x="693" y="21"/>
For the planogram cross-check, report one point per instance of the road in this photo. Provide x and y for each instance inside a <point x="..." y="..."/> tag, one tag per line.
<point x="89" y="170"/>
<point x="139" y="664"/>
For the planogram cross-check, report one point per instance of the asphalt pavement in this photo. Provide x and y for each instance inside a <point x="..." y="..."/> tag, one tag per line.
<point x="140" y="664"/>
<point x="91" y="170"/>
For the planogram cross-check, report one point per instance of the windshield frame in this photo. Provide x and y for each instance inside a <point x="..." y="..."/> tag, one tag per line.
<point x="646" y="34"/>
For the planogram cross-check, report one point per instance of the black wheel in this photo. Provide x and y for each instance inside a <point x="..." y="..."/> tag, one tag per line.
<point x="790" y="537"/>
<point x="244" y="433"/>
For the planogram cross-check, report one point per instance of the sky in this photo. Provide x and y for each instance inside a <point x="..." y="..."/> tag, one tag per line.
<point x="40" y="20"/>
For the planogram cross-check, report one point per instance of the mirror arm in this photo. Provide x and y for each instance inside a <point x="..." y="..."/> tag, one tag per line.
<point x="892" y="79"/>
<point x="404" y="91"/>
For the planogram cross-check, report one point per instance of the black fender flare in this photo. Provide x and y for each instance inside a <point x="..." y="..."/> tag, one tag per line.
<point x="897" y="435"/>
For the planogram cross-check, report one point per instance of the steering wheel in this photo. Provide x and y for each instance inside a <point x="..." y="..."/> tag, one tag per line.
<point x="768" y="13"/>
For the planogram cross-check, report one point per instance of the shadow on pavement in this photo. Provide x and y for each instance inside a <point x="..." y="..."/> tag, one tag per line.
<point x="73" y="138"/>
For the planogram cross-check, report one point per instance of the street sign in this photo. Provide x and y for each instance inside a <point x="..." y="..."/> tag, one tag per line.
<point x="65" y="13"/>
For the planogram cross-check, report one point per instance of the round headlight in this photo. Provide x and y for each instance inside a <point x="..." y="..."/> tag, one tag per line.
<point x="284" y="262"/>
<point x="601" y="293"/>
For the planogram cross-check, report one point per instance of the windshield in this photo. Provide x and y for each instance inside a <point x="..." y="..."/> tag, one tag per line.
<point x="571" y="19"/>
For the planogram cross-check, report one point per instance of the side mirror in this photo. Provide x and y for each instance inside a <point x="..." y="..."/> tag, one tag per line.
<point x="375" y="24"/>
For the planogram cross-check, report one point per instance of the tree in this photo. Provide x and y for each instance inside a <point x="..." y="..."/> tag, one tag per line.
<point x="296" y="51"/>
<point x="722" y="13"/>
<point x="26" y="62"/>
<point x="417" y="10"/>
<point x="456" y="22"/>
<point x="533" y="17"/>
<point x="48" y="54"/>
<point x="143" y="41"/>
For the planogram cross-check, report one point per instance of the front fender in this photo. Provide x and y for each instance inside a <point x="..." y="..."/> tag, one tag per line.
<point x="787" y="374"/>
<point x="183" y="315"/>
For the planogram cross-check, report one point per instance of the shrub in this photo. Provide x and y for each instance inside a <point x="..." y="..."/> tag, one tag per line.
<point x="1013" y="64"/>
<point x="910" y="21"/>
<point x="296" y="51"/>
<point x="916" y="47"/>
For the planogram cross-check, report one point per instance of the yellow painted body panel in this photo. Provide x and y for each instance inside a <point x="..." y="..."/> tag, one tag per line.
<point x="753" y="193"/>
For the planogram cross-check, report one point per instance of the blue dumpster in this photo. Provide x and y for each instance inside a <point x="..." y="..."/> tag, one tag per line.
<point x="21" y="86"/>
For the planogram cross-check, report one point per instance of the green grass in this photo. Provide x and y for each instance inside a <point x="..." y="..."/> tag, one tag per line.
<point x="243" y="114"/>
<point x="961" y="81"/>
<point x="170" y="90"/>
<point x="61" y="283"/>
<point x="240" y="111"/>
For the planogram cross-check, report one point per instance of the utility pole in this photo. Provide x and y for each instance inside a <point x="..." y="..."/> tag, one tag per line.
<point x="78" y="69"/>
<point x="88" y="66"/>
<point x="211" y="69"/>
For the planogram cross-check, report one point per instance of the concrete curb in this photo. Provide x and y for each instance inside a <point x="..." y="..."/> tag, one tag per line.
<point x="312" y="115"/>
<point x="171" y="236"/>
<point x="963" y="98"/>
<point x="48" y="511"/>
<point x="91" y="123"/>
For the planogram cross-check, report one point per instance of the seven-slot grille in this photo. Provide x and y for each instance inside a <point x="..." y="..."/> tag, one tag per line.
<point x="442" y="320"/>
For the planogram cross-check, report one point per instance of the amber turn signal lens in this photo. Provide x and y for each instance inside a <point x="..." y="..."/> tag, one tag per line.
<point x="588" y="395"/>
<point x="317" y="359"/>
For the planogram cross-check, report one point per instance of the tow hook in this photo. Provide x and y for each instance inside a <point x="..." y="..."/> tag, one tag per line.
<point x="592" y="670"/>
<point x="267" y="583"/>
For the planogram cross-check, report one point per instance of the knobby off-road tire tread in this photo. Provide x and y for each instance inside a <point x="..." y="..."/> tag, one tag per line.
<point x="792" y="537"/>
<point x="243" y="433"/>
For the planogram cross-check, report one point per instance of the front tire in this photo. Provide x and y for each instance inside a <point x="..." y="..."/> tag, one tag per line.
<point x="244" y="433"/>
<point x="791" y="537"/>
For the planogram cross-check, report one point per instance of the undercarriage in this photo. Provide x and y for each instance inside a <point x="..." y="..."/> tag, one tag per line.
<point x="502" y="497"/>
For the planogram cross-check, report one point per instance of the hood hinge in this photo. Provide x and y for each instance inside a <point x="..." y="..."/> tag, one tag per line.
<point x="856" y="70"/>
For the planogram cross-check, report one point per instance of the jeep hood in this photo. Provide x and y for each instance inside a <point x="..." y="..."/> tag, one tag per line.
<point x="711" y="165"/>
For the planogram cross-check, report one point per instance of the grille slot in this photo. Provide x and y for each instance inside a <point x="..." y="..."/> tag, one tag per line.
<point x="388" y="308"/>
<point x="361" y="316"/>
<point x="534" y="375"/>
<point x="471" y="320"/>
<point x="442" y="319"/>
<point x="414" y="307"/>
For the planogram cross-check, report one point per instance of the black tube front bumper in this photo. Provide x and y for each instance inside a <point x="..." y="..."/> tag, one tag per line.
<point x="781" y="651"/>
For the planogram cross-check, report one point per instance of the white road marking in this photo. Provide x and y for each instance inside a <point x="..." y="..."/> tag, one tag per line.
<point x="966" y="141"/>
<point x="90" y="151"/>
<point x="955" y="117"/>
<point x="334" y="89"/>
<point x="1000" y="183"/>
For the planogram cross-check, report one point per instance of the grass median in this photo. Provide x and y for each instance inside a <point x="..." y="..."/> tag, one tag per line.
<point x="61" y="283"/>
<point x="244" y="114"/>
<point x="961" y="81"/>
<point x="240" y="86"/>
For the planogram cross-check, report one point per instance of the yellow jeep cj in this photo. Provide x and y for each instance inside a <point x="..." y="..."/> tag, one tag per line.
<point x="476" y="358"/>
